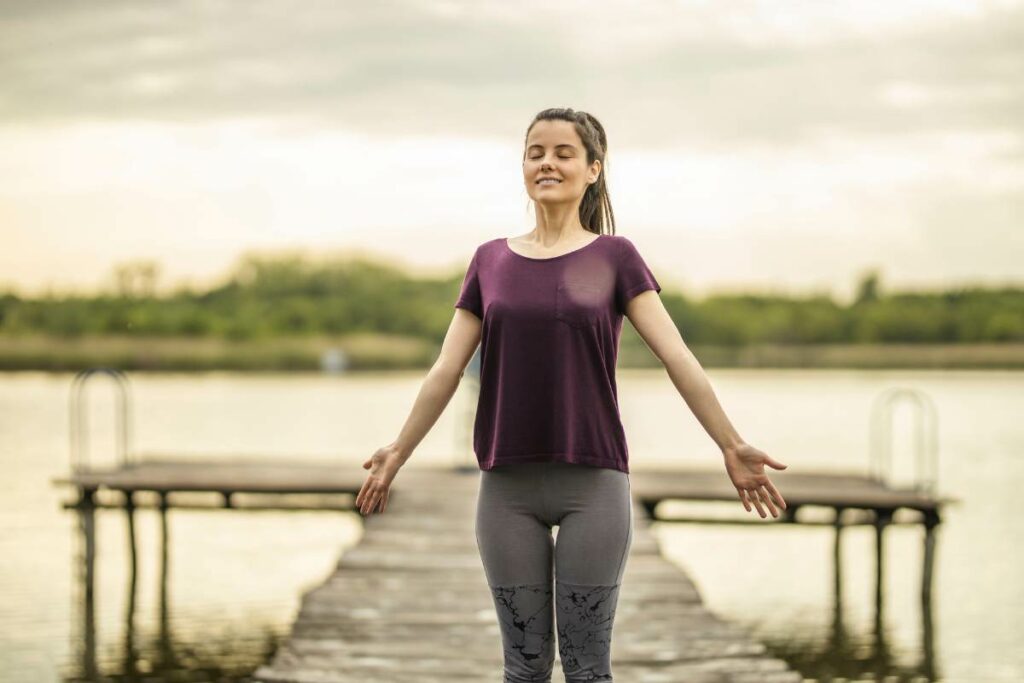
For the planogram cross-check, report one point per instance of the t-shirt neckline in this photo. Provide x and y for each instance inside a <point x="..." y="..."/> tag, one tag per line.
<point x="551" y="258"/>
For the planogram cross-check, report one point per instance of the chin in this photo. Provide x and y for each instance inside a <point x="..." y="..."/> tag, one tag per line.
<point x="542" y="195"/>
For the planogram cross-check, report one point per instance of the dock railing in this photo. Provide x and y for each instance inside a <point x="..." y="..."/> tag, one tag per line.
<point x="79" y="414"/>
<point x="926" y="441"/>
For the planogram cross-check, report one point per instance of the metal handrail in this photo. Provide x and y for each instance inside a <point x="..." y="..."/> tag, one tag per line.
<point x="926" y="443"/>
<point x="79" y="424"/>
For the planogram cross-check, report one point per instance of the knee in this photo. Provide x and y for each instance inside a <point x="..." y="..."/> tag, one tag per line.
<point x="587" y="669"/>
<point x="530" y="660"/>
<point x="585" y="615"/>
<point x="525" y="617"/>
<point x="519" y="671"/>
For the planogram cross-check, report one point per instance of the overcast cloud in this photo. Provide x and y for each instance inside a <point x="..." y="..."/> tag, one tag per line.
<point x="857" y="133"/>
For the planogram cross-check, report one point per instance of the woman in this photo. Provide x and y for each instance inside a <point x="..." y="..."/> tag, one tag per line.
<point x="546" y="309"/>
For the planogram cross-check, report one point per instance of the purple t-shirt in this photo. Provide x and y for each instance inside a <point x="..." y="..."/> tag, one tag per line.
<point x="548" y="347"/>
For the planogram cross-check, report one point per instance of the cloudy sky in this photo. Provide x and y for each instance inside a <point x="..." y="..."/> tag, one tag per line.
<point x="785" y="145"/>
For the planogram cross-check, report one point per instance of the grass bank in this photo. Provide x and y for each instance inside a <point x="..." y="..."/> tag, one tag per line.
<point x="371" y="351"/>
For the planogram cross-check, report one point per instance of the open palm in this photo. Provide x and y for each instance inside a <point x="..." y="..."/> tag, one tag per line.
<point x="745" y="466"/>
<point x="376" y="490"/>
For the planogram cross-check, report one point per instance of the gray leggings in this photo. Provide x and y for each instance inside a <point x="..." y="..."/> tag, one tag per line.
<point x="517" y="506"/>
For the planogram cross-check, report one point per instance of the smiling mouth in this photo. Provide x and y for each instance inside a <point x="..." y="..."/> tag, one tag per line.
<point x="549" y="181"/>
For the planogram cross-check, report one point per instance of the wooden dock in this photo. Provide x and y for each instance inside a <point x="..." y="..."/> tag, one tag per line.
<point x="410" y="601"/>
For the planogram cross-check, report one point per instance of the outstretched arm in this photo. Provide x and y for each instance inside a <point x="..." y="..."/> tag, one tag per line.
<point x="440" y="385"/>
<point x="743" y="463"/>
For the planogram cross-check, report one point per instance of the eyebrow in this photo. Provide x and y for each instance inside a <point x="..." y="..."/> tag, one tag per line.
<point x="573" y="147"/>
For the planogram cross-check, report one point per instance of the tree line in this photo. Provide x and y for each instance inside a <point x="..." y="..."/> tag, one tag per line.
<point x="275" y="296"/>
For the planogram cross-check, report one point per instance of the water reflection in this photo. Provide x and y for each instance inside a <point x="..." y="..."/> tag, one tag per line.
<point x="227" y="658"/>
<point x="844" y="654"/>
<point x="868" y="657"/>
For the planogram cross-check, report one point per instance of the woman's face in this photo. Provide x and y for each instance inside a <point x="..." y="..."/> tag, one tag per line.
<point x="554" y="150"/>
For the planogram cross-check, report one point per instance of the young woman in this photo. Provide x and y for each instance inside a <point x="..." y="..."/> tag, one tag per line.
<point x="546" y="309"/>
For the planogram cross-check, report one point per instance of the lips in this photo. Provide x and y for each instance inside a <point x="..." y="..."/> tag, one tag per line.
<point x="553" y="181"/>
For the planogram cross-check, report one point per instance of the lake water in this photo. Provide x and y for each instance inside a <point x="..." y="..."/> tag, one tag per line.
<point x="235" y="577"/>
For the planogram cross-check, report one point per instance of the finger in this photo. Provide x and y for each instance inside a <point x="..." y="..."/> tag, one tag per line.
<point x="366" y="500"/>
<point x="754" y="502"/>
<point x="757" y="502"/>
<point x="748" y="501"/>
<point x="362" y="492"/>
<point x="368" y="487"/>
<point x="763" y="494"/>
<point x="384" y="503"/>
<point x="743" y="500"/>
<point x="775" y="463"/>
<point x="775" y="494"/>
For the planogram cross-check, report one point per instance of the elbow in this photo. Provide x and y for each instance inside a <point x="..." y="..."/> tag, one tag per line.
<point x="448" y="372"/>
<point x="676" y="356"/>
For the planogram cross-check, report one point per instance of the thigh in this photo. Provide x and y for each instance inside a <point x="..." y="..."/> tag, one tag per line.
<point x="595" y="525"/>
<point x="515" y="542"/>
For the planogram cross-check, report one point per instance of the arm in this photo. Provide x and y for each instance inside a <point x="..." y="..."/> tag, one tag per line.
<point x="440" y="385"/>
<point x="744" y="463"/>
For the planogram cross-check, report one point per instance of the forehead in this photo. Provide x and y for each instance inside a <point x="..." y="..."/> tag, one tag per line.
<point x="553" y="134"/>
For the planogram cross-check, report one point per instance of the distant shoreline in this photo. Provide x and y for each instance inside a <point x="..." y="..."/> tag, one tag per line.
<point x="385" y="352"/>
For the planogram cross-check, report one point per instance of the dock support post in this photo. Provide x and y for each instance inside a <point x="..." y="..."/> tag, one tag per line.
<point x="931" y="522"/>
<point x="164" y="570"/>
<point x="837" y="561"/>
<point x="87" y="532"/>
<point x="882" y="519"/>
<point x="130" y="655"/>
<point x="129" y="509"/>
<point x="88" y="512"/>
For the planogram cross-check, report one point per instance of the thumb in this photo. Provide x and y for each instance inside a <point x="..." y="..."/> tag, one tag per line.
<point x="772" y="462"/>
<point x="366" y="465"/>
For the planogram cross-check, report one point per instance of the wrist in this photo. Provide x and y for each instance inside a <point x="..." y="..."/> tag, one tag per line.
<point x="731" y="445"/>
<point x="400" y="452"/>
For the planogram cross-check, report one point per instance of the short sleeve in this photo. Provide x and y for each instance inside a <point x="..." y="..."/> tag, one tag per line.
<point x="633" y="275"/>
<point x="469" y="296"/>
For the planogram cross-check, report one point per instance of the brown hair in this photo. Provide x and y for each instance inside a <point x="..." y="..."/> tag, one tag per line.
<point x="595" y="208"/>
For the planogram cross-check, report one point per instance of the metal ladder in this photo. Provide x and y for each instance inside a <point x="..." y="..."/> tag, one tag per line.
<point x="79" y="413"/>
<point x="926" y="444"/>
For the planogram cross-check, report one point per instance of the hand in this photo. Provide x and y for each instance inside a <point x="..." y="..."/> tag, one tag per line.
<point x="383" y="466"/>
<point x="745" y="466"/>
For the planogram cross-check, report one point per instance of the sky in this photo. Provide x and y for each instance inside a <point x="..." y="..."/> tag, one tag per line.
<point x="785" y="146"/>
